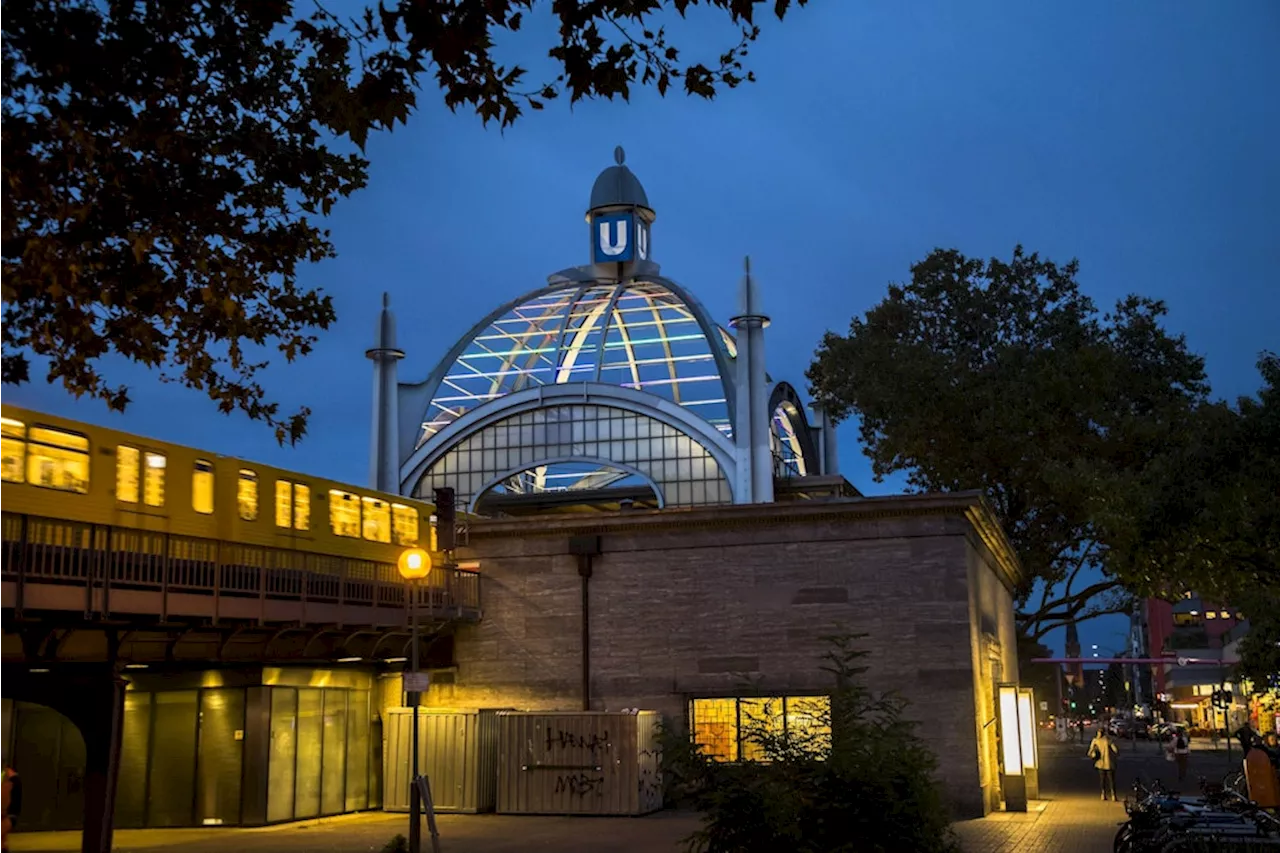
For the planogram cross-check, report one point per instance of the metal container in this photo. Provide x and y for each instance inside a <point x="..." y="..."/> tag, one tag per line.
<point x="579" y="762"/>
<point x="457" y="752"/>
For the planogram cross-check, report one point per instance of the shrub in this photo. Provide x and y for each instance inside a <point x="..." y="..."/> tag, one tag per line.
<point x="857" y="779"/>
<point x="398" y="844"/>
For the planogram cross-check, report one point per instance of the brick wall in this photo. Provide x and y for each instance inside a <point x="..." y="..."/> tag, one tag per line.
<point x="692" y="602"/>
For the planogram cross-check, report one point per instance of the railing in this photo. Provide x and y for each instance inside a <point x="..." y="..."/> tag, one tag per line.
<point x="125" y="571"/>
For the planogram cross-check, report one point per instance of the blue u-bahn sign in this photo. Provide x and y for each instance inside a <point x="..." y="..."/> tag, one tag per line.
<point x="619" y="238"/>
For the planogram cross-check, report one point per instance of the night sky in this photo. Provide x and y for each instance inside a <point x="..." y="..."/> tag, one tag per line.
<point x="1142" y="137"/>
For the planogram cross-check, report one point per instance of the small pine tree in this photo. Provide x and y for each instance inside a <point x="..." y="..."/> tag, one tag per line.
<point x="851" y="775"/>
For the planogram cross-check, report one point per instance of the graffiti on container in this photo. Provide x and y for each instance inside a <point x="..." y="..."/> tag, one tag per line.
<point x="576" y="740"/>
<point x="580" y="785"/>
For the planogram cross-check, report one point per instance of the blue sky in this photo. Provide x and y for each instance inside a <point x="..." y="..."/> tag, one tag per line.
<point x="1141" y="137"/>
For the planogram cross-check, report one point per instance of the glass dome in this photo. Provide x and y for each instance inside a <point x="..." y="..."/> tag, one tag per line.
<point x="650" y="335"/>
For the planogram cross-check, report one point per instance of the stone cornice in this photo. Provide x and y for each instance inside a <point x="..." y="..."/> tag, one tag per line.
<point x="967" y="505"/>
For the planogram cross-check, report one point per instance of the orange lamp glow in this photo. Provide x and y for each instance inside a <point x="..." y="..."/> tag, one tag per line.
<point x="414" y="564"/>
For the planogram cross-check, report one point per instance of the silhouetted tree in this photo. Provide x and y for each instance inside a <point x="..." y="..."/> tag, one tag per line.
<point x="1003" y="376"/>
<point x="164" y="162"/>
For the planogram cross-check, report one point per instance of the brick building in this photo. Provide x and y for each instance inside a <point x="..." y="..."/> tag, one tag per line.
<point x="684" y="606"/>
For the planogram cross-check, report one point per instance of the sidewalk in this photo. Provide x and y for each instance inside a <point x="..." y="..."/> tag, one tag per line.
<point x="1071" y="817"/>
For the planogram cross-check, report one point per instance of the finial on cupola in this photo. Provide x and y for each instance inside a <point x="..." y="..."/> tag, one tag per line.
<point x="619" y="217"/>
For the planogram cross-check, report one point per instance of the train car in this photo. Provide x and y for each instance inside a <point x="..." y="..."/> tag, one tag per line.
<point x="63" y="469"/>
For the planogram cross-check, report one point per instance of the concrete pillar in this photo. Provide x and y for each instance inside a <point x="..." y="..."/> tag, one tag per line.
<point x="92" y="697"/>
<point x="383" y="452"/>
<point x="102" y="736"/>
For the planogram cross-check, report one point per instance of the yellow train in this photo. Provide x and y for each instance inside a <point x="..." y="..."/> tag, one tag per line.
<point x="57" y="468"/>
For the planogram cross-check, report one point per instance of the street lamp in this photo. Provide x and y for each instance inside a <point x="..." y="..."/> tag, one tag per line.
<point x="414" y="565"/>
<point x="1011" y="745"/>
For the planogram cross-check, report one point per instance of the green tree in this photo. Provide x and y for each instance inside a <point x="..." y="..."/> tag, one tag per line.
<point x="855" y="777"/>
<point x="1002" y="376"/>
<point x="1212" y="522"/>
<point x="166" y="163"/>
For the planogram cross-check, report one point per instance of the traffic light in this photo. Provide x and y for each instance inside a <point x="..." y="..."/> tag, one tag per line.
<point x="446" y="518"/>
<point x="1073" y="705"/>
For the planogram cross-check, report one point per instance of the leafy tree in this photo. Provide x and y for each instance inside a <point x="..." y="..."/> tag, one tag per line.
<point x="854" y="778"/>
<point x="1002" y="376"/>
<point x="165" y="163"/>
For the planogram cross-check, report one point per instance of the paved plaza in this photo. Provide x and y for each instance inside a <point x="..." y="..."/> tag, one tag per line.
<point x="1069" y="819"/>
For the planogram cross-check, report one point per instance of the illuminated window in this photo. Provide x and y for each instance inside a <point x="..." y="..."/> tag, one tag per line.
<point x="301" y="507"/>
<point x="344" y="513"/>
<point x="758" y="720"/>
<point x="247" y="495"/>
<point x="202" y="487"/>
<point x="1209" y="614"/>
<point x="14" y="450"/>
<point x="57" y="459"/>
<point x="293" y="506"/>
<point x="1225" y="615"/>
<point x="714" y="723"/>
<point x="284" y="503"/>
<point x="377" y="520"/>
<point x="724" y="728"/>
<point x="404" y="524"/>
<point x="153" y="479"/>
<point x="128" y="479"/>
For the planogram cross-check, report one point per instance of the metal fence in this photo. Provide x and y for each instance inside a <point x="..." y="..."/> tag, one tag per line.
<point x="103" y="558"/>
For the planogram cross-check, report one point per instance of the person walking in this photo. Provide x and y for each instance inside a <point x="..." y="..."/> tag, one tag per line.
<point x="1181" y="753"/>
<point x="12" y="805"/>
<point x="1104" y="753"/>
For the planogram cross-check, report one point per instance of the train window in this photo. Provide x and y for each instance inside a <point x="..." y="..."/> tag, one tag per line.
<point x="128" y="481"/>
<point x="153" y="478"/>
<point x="57" y="459"/>
<point x="404" y="524"/>
<point x="301" y="506"/>
<point x="377" y="520"/>
<point x="247" y="495"/>
<point x="293" y="506"/>
<point x="202" y="486"/>
<point x="344" y="513"/>
<point x="284" y="503"/>
<point x="14" y="450"/>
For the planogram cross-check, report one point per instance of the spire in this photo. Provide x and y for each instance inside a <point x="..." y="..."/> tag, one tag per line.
<point x="383" y="453"/>
<point x="751" y="428"/>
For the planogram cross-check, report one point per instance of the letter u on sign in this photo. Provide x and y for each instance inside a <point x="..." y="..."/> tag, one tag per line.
<point x="611" y="238"/>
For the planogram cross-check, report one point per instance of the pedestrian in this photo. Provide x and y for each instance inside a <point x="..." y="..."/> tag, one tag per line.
<point x="1104" y="752"/>
<point x="12" y="786"/>
<point x="1181" y="753"/>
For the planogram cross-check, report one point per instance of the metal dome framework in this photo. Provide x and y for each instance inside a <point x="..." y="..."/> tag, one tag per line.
<point x="649" y="336"/>
<point x="611" y="379"/>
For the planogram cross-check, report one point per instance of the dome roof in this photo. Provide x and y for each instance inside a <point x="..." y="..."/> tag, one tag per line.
<point x="650" y="335"/>
<point x="618" y="185"/>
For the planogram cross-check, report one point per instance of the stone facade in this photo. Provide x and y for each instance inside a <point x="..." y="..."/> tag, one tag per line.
<point x="684" y="603"/>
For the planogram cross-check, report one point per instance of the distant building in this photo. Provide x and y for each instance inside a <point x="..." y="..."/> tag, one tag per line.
<point x="1191" y="628"/>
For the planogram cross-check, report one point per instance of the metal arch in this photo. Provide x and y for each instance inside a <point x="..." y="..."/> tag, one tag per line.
<point x="711" y="331"/>
<point x="416" y="398"/>
<point x="785" y="396"/>
<point x="598" y="393"/>
<point x="556" y="460"/>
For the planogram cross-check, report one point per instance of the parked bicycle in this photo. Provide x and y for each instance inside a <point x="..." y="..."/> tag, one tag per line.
<point x="1162" y="821"/>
